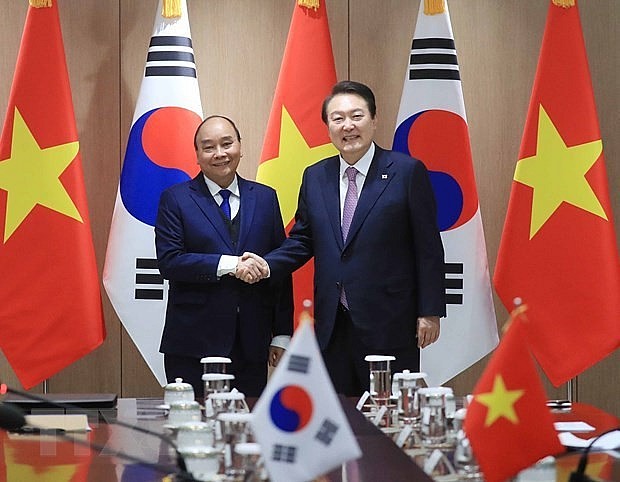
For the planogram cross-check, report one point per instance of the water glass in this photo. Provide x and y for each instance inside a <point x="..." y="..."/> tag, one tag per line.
<point x="406" y="385"/>
<point x="216" y="383"/>
<point x="434" y="426"/>
<point x="380" y="377"/>
<point x="215" y="364"/>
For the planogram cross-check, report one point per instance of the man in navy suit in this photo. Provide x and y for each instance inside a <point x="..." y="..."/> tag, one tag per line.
<point x="203" y="226"/>
<point x="368" y="217"/>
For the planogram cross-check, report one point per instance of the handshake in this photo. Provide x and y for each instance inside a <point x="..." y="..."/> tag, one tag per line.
<point x="251" y="268"/>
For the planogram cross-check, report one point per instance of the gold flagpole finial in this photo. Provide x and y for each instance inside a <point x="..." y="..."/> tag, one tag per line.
<point x="40" y="3"/>
<point x="171" y="9"/>
<point x="315" y="4"/>
<point x="305" y="316"/>
<point x="518" y="313"/>
<point x="433" y="7"/>
<point x="564" y="3"/>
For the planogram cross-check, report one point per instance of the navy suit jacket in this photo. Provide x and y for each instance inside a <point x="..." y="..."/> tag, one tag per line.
<point x="190" y="237"/>
<point x="392" y="264"/>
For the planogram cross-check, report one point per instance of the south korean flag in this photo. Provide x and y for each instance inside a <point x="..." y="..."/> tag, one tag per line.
<point x="298" y="420"/>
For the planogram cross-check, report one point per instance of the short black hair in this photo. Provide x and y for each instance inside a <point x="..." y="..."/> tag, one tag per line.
<point x="213" y="117"/>
<point x="351" y="87"/>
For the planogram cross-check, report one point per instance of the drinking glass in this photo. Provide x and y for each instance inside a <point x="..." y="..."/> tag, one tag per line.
<point x="380" y="377"/>
<point x="434" y="427"/>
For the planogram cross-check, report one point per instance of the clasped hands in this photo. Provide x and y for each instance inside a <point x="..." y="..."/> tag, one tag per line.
<point x="251" y="268"/>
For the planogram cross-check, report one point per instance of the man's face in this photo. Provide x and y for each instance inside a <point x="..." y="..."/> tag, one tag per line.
<point x="351" y="127"/>
<point x="219" y="151"/>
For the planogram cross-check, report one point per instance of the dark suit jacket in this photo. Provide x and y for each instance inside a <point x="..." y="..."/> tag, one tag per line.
<point x="392" y="265"/>
<point x="190" y="237"/>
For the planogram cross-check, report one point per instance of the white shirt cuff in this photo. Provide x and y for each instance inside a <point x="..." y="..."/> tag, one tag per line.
<point x="227" y="265"/>
<point x="281" y="341"/>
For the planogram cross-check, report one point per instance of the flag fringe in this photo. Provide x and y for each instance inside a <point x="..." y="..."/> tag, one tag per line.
<point x="315" y="4"/>
<point x="434" y="7"/>
<point x="171" y="9"/>
<point x="564" y="3"/>
<point x="40" y="3"/>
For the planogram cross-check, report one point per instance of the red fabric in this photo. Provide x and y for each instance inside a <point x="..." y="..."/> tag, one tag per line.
<point x="50" y="301"/>
<point x="29" y="458"/>
<point x="307" y="75"/>
<point x="568" y="272"/>
<point x="508" y="440"/>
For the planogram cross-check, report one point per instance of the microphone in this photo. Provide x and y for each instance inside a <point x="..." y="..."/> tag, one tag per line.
<point x="580" y="475"/>
<point x="13" y="419"/>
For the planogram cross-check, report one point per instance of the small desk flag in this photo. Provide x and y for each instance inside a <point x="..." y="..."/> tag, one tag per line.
<point x="298" y="420"/>
<point x="508" y="422"/>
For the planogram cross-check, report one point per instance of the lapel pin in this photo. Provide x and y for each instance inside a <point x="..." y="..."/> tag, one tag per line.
<point x="383" y="176"/>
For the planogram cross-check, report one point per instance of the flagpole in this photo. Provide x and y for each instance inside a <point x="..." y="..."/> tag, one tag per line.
<point x="571" y="390"/>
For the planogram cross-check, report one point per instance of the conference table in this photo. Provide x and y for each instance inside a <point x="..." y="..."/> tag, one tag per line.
<point x="25" y="458"/>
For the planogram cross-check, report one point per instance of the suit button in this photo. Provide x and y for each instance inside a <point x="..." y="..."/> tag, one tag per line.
<point x="338" y="284"/>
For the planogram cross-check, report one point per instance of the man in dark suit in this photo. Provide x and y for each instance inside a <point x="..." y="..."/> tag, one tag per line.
<point x="202" y="227"/>
<point x="368" y="217"/>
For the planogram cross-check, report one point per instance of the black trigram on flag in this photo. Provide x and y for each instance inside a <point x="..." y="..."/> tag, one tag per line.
<point x="297" y="363"/>
<point x="284" y="453"/>
<point x="170" y="56"/>
<point x="149" y="283"/>
<point x="453" y="283"/>
<point x="433" y="58"/>
<point x="327" y="432"/>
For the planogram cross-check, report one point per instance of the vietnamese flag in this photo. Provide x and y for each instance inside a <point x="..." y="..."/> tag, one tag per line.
<point x="296" y="136"/>
<point x="558" y="248"/>
<point x="50" y="301"/>
<point x="599" y="466"/>
<point x="509" y="410"/>
<point x="48" y="459"/>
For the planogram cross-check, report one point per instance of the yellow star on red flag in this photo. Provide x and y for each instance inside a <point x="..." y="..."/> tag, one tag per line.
<point x="557" y="174"/>
<point x="284" y="172"/>
<point x="31" y="176"/>
<point x="500" y="402"/>
<point x="50" y="283"/>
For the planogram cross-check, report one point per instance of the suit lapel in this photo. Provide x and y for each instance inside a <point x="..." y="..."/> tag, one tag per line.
<point x="246" y="209"/>
<point x="331" y="195"/>
<point x="202" y="197"/>
<point x="379" y="176"/>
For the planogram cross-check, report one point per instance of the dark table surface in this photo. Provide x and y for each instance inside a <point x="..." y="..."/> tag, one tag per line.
<point x="49" y="458"/>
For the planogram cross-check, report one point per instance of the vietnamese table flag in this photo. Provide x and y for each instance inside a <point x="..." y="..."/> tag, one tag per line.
<point x="508" y="422"/>
<point x="299" y="421"/>
<point x="296" y="136"/>
<point x="43" y="459"/>
<point x="160" y="153"/>
<point x="432" y="127"/>
<point x="558" y="249"/>
<point x="50" y="300"/>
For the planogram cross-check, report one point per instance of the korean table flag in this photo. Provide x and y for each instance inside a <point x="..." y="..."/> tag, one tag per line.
<point x="298" y="420"/>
